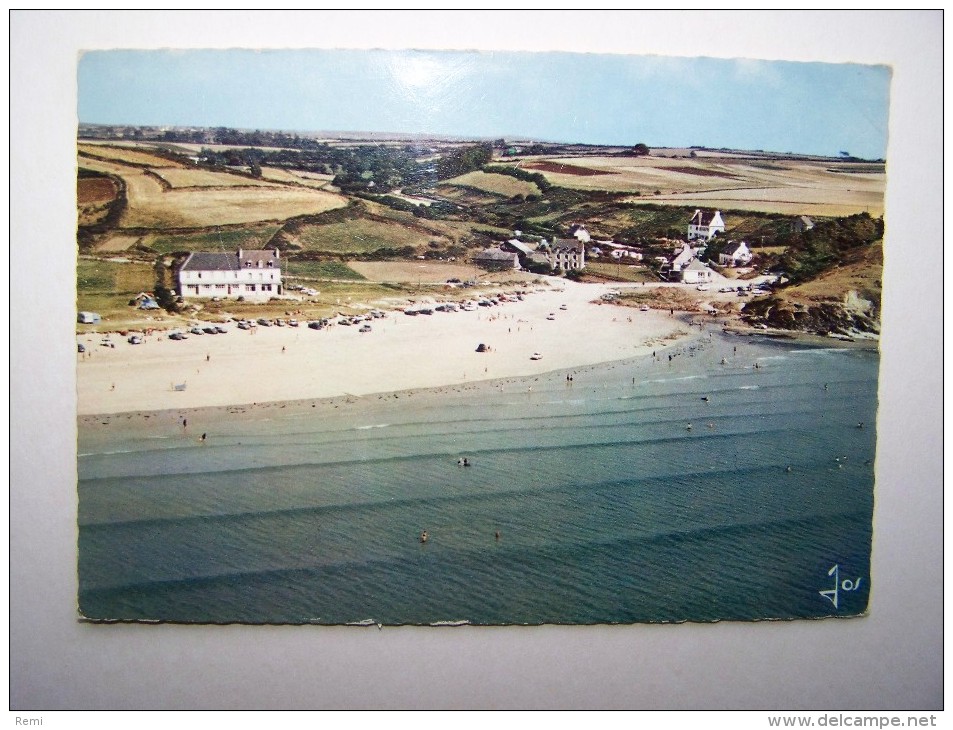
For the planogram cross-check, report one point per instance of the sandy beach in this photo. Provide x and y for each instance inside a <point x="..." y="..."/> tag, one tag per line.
<point x="271" y="364"/>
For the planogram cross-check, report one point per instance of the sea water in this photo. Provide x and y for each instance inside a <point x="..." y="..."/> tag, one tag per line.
<point x="728" y="478"/>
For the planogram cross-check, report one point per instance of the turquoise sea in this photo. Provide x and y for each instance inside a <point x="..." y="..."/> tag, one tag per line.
<point x="733" y="481"/>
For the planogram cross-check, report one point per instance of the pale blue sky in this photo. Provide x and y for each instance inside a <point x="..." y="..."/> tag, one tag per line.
<point x="809" y="108"/>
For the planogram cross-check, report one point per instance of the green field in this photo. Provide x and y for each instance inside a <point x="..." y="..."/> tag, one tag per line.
<point x="360" y="236"/>
<point x="318" y="270"/>
<point x="253" y="237"/>
<point x="494" y="183"/>
<point x="107" y="286"/>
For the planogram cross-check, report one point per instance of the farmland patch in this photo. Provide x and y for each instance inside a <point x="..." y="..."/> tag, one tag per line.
<point x="493" y="183"/>
<point x="414" y="271"/>
<point x="360" y="235"/>
<point x="189" y="178"/>
<point x="127" y="156"/>
<point x="564" y="168"/>
<point x="92" y="190"/>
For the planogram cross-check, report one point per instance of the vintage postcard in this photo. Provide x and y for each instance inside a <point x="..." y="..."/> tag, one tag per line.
<point x="407" y="337"/>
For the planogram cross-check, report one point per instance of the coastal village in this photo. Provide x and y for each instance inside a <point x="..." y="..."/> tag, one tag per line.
<point x="257" y="276"/>
<point x="426" y="262"/>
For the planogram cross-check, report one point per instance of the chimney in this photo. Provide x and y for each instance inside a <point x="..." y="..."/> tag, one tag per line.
<point x="277" y="253"/>
<point x="240" y="253"/>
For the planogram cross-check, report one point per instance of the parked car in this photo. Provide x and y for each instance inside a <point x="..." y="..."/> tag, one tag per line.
<point x="315" y="325"/>
<point x="292" y="323"/>
<point x="365" y="328"/>
<point x="80" y="347"/>
<point x="134" y="340"/>
<point x="196" y="331"/>
<point x="220" y="330"/>
<point x="210" y="330"/>
<point x="178" y="336"/>
<point x="264" y="322"/>
<point x="703" y="287"/>
<point x="536" y="356"/>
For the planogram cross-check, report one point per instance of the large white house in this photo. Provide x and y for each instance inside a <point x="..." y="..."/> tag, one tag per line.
<point x="705" y="224"/>
<point x="248" y="274"/>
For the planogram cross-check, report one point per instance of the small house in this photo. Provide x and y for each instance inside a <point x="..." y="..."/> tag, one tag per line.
<point x="579" y="232"/>
<point x="88" y="318"/>
<point x="683" y="258"/>
<point x="496" y="259"/>
<point x="802" y="223"/>
<point x="736" y="253"/>
<point x="514" y="245"/>
<point x="696" y="273"/>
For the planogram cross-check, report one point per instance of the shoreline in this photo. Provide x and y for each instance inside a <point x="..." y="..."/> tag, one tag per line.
<point x="251" y="411"/>
<point x="519" y="383"/>
<point x="549" y="331"/>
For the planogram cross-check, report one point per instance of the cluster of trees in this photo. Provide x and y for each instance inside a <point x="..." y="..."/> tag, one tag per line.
<point x="463" y="160"/>
<point x="363" y="168"/>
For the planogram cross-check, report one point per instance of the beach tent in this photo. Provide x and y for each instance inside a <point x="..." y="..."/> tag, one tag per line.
<point x="147" y="301"/>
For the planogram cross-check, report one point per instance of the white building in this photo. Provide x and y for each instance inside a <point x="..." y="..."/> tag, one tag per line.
<point x="696" y="273"/>
<point x="705" y="224"/>
<point x="580" y="233"/>
<point x="683" y="258"/>
<point x="735" y="254"/>
<point x="248" y="274"/>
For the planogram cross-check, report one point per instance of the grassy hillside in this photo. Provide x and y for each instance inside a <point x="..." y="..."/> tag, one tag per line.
<point x="503" y="185"/>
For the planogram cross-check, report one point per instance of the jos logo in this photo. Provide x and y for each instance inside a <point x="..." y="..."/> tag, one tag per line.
<point x="847" y="585"/>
